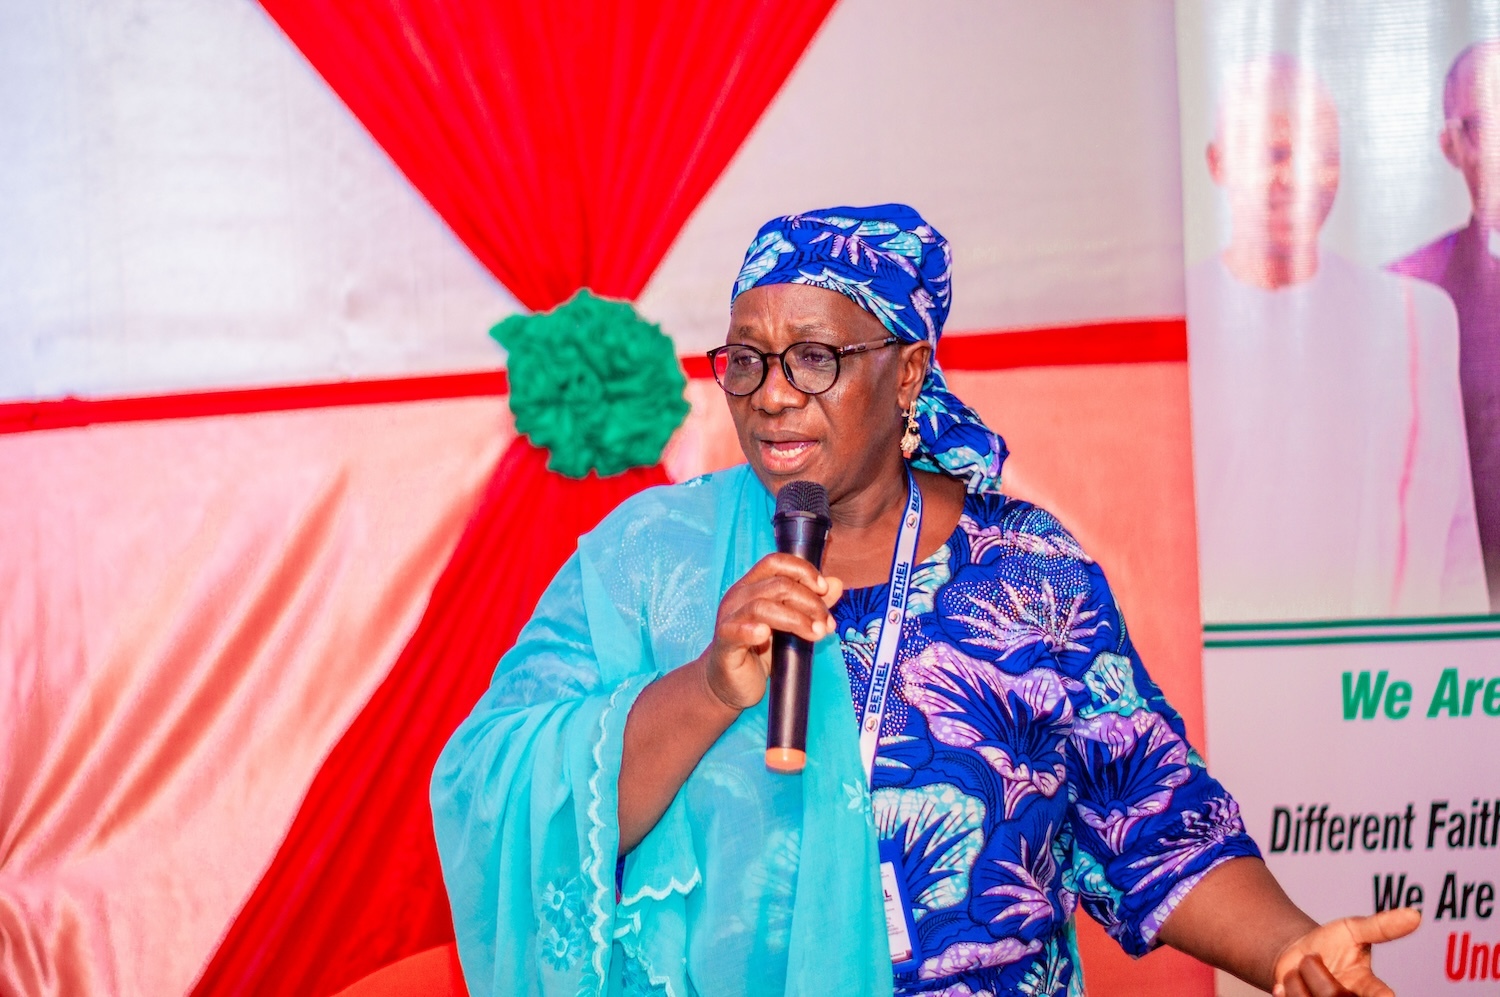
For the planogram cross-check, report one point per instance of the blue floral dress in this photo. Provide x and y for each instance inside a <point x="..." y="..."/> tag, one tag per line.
<point x="1027" y="762"/>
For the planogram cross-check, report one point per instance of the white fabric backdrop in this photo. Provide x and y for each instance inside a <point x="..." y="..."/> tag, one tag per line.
<point x="185" y="204"/>
<point x="1039" y="138"/>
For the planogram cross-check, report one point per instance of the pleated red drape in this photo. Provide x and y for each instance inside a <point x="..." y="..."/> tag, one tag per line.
<point x="356" y="884"/>
<point x="565" y="143"/>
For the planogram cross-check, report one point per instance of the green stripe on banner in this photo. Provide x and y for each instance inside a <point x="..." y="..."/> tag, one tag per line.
<point x="1366" y="631"/>
<point x="1395" y="621"/>
<point x="1358" y="639"/>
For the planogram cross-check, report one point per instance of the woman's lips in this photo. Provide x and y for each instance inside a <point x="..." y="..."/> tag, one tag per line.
<point x="786" y="456"/>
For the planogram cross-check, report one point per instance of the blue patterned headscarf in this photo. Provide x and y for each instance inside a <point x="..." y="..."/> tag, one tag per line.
<point x="890" y="262"/>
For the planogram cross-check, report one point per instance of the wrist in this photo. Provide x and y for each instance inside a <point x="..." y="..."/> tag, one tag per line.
<point x="1286" y="947"/>
<point x="714" y="703"/>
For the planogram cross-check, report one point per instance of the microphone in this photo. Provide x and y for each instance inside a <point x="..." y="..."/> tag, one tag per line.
<point x="801" y="524"/>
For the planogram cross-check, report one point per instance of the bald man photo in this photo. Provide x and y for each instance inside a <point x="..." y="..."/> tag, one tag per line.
<point x="1331" y="467"/>
<point x="1466" y="264"/>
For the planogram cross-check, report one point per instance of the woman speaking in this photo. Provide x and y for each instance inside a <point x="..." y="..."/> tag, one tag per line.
<point x="985" y="751"/>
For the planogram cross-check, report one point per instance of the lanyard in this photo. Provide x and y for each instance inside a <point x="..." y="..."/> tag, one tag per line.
<point x="890" y="628"/>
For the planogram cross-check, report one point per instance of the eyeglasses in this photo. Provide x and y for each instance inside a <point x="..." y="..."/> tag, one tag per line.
<point x="811" y="368"/>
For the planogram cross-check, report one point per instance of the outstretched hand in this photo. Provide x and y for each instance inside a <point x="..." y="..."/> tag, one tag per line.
<point x="1333" y="959"/>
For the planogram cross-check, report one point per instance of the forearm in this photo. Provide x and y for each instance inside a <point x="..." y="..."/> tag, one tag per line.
<point x="674" y="721"/>
<point x="1238" y="919"/>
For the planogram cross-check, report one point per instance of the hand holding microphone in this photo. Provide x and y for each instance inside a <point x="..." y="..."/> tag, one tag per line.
<point x="801" y="524"/>
<point x="784" y="594"/>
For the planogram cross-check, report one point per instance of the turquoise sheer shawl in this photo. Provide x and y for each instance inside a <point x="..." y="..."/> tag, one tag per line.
<point x="751" y="883"/>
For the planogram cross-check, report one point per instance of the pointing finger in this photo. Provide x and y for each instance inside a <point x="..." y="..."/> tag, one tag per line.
<point x="1384" y="927"/>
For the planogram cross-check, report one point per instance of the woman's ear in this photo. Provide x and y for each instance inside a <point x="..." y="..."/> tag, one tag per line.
<point x="915" y="358"/>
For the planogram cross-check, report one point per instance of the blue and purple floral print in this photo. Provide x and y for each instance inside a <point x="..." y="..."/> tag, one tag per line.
<point x="1027" y="763"/>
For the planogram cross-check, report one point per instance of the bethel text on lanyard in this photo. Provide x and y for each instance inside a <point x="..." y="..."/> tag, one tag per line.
<point x="890" y="628"/>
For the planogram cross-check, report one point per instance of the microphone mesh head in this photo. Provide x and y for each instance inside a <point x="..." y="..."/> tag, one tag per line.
<point x="802" y="496"/>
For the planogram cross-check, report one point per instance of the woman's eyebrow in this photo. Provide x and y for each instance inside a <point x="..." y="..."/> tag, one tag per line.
<point x="753" y="333"/>
<point x="745" y="334"/>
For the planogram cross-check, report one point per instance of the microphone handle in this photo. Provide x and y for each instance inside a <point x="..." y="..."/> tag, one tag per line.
<point x="804" y="535"/>
<point x="786" y="724"/>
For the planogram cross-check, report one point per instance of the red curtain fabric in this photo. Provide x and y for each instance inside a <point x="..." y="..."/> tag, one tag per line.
<point x="565" y="143"/>
<point x="356" y="884"/>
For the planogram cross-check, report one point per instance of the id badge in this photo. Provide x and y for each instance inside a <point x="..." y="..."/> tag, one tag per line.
<point x="900" y="928"/>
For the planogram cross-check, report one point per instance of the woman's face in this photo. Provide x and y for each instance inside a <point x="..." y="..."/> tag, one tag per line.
<point x="846" y="437"/>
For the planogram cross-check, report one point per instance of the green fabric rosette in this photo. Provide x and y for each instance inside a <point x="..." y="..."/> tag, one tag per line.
<point x="594" y="384"/>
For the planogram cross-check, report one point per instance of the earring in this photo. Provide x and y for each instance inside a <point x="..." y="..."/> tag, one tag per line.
<point x="912" y="438"/>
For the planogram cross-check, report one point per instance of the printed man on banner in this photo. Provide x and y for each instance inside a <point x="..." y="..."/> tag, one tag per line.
<point x="1332" y="472"/>
<point x="1466" y="264"/>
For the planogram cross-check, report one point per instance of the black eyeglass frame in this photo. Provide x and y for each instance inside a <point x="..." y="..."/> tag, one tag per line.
<point x="839" y="352"/>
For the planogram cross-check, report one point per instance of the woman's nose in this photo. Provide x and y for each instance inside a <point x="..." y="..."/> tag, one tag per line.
<point x="776" y="392"/>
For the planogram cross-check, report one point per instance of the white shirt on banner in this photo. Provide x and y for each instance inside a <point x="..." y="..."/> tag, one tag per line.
<point x="1330" y="459"/>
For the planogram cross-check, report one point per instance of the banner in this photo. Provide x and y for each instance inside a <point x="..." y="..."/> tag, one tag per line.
<point x="1341" y="184"/>
<point x="1363" y="758"/>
